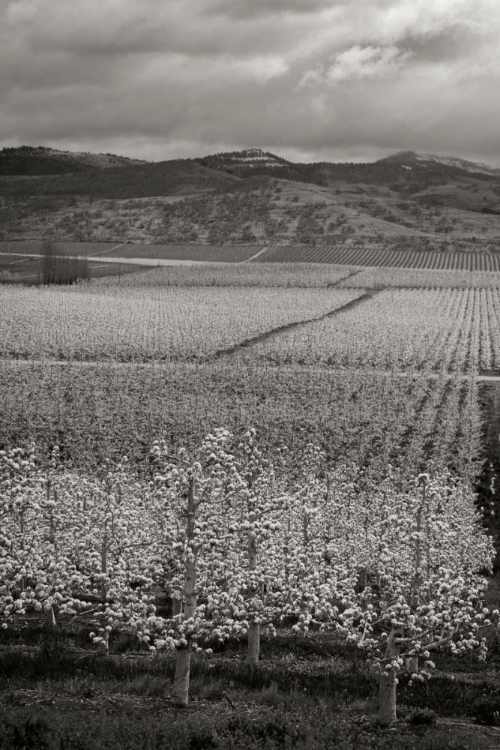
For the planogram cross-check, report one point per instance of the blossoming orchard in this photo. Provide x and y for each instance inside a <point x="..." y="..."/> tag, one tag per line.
<point x="224" y="542"/>
<point x="212" y="471"/>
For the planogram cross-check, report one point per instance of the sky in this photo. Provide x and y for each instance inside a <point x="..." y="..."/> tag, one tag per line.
<point x="310" y="80"/>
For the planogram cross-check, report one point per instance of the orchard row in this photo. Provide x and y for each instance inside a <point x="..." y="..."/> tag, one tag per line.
<point x="450" y="330"/>
<point x="225" y="541"/>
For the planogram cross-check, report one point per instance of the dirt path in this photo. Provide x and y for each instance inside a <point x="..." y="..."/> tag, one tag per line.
<point x="153" y="262"/>
<point x="257" y="255"/>
<point x="349" y="276"/>
<point x="288" y="326"/>
<point x="156" y="364"/>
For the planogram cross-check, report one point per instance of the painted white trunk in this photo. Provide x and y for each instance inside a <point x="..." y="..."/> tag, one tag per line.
<point x="50" y="619"/>
<point x="387" y="699"/>
<point x="180" y="690"/>
<point x="253" y="644"/>
<point x="388" y="684"/>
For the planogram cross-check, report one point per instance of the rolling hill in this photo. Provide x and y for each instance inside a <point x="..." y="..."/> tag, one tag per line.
<point x="136" y="181"/>
<point x="40" y="160"/>
<point x="252" y="196"/>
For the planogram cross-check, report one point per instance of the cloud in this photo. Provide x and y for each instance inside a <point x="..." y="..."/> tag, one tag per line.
<point x="313" y="78"/>
<point x="357" y="63"/>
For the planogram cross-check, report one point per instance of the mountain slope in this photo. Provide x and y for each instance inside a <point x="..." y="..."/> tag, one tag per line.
<point x="244" y="162"/>
<point x="422" y="178"/>
<point x="412" y="160"/>
<point x="141" y="181"/>
<point x="39" y="160"/>
<point x="253" y="196"/>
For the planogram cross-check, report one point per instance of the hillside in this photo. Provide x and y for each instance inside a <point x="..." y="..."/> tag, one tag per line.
<point x="259" y="210"/>
<point x="243" y="163"/>
<point x="252" y="196"/>
<point x="424" y="178"/>
<point x="412" y="160"/>
<point x="39" y="160"/>
<point x="137" y="181"/>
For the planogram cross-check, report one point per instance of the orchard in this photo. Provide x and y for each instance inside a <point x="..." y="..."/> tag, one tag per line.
<point x="224" y="542"/>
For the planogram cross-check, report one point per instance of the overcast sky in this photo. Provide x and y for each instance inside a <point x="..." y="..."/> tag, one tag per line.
<point x="342" y="80"/>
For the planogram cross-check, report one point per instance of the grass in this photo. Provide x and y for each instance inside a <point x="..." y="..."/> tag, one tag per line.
<point x="311" y="692"/>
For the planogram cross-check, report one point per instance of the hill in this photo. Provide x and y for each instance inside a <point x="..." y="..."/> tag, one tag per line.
<point x="412" y="160"/>
<point x="252" y="196"/>
<point x="244" y="163"/>
<point x="424" y="178"/>
<point x="136" y="181"/>
<point x="39" y="160"/>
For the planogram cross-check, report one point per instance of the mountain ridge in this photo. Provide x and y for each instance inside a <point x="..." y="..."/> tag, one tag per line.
<point x="26" y="160"/>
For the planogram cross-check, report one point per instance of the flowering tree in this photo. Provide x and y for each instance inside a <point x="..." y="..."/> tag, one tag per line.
<point x="33" y="571"/>
<point x="236" y="543"/>
<point x="220" y="558"/>
<point x="424" y="591"/>
<point x="74" y="545"/>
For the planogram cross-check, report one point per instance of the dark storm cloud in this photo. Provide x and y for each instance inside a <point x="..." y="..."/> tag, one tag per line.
<point x="309" y="78"/>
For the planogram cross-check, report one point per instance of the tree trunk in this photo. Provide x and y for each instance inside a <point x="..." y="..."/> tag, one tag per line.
<point x="253" y="644"/>
<point x="50" y="619"/>
<point x="180" y="690"/>
<point x="388" y="683"/>
<point x="254" y="629"/>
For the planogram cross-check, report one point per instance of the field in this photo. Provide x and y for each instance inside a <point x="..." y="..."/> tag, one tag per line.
<point x="217" y="253"/>
<point x="344" y="252"/>
<point x="16" y="269"/>
<point x="368" y="254"/>
<point x="447" y="330"/>
<point x="367" y="495"/>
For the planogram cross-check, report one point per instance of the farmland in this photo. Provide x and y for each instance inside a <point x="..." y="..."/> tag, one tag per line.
<point x="122" y="324"/>
<point x="330" y="424"/>
<point x="361" y="254"/>
<point x="16" y="269"/>
<point x="358" y="253"/>
<point x="450" y="330"/>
